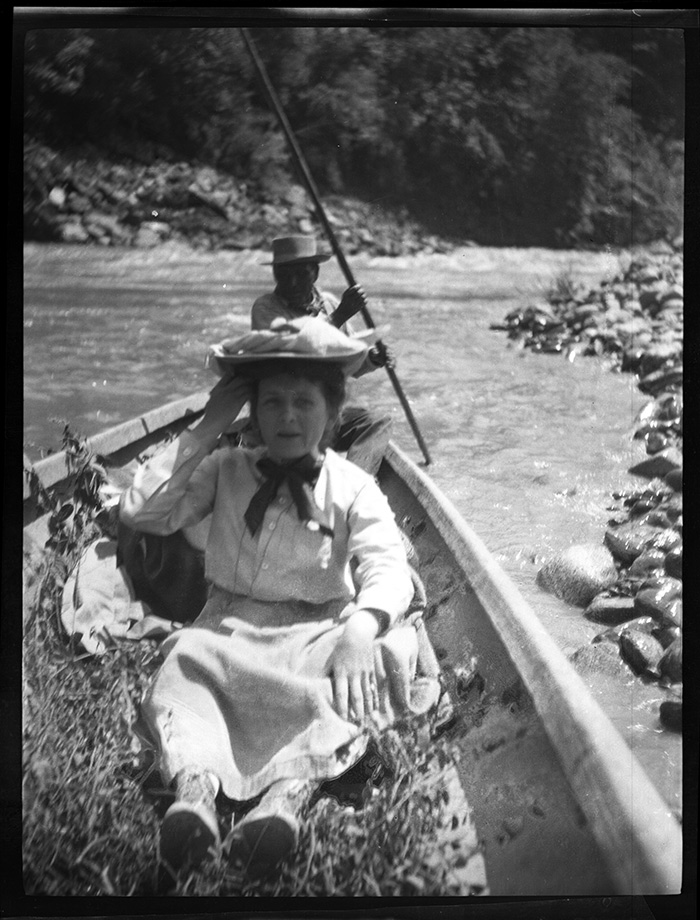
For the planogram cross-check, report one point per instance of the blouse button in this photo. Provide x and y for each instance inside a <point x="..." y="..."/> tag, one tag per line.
<point x="187" y="452"/>
<point x="265" y="565"/>
<point x="271" y="526"/>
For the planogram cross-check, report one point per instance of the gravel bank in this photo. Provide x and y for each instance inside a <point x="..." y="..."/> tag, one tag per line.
<point x="635" y="321"/>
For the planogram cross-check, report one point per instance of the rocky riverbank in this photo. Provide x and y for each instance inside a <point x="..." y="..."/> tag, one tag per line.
<point x="632" y="584"/>
<point x="87" y="199"/>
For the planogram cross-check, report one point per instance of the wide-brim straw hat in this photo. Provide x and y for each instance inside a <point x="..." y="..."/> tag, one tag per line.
<point x="296" y="250"/>
<point x="307" y="338"/>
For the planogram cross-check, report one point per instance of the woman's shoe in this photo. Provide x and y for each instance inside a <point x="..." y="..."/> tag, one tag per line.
<point x="190" y="829"/>
<point x="270" y="831"/>
<point x="263" y="839"/>
<point x="189" y="832"/>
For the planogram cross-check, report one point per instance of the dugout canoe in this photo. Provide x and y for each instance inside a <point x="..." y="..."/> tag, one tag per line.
<point x="560" y="804"/>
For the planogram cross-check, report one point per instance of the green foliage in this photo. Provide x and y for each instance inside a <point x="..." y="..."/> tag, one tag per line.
<point x="72" y="524"/>
<point x="550" y="136"/>
<point x="84" y="828"/>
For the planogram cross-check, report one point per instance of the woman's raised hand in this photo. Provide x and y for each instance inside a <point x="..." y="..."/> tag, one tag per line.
<point x="352" y="668"/>
<point x="225" y="402"/>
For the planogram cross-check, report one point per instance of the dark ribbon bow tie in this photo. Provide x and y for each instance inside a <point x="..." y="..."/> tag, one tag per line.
<point x="302" y="475"/>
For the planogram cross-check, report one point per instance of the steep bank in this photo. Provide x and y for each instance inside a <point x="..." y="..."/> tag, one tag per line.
<point x="86" y="198"/>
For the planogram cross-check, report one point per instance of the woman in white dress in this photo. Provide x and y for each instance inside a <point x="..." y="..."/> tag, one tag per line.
<point x="299" y="643"/>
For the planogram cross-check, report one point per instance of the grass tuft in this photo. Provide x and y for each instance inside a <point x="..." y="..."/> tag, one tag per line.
<point x="562" y="287"/>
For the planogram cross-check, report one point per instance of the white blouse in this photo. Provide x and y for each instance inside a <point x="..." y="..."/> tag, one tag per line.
<point x="185" y="482"/>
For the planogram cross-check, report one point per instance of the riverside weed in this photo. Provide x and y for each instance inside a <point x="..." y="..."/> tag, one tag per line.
<point x="84" y="828"/>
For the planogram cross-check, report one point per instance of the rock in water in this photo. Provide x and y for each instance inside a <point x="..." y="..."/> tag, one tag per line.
<point x="663" y="602"/>
<point x="629" y="540"/>
<point x="666" y="635"/>
<point x="673" y="563"/>
<point x="674" y="479"/>
<point x="651" y="560"/>
<point x="659" y="465"/>
<point x="641" y="651"/>
<point x="671" y="662"/>
<point x="579" y="573"/>
<point x="605" y="608"/>
<point x="671" y="714"/>
<point x="601" y="658"/>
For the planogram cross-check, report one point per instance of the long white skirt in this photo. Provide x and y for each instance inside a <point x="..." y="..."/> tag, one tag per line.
<point x="243" y="693"/>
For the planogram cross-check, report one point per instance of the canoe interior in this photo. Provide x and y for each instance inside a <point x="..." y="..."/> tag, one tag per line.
<point x="536" y="838"/>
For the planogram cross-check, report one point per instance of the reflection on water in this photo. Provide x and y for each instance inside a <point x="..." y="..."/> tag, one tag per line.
<point x="529" y="447"/>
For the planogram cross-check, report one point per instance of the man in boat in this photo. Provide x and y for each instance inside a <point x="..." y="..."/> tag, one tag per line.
<point x="361" y="434"/>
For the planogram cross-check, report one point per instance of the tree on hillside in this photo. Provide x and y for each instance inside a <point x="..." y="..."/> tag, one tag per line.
<point x="655" y="60"/>
<point x="328" y="82"/>
<point x="498" y="134"/>
<point x="574" y="164"/>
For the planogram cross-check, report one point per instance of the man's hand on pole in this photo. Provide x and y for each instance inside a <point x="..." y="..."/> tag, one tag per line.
<point x="382" y="356"/>
<point x="351" y="303"/>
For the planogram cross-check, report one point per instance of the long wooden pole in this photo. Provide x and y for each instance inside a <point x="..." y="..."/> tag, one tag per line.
<point x="313" y="191"/>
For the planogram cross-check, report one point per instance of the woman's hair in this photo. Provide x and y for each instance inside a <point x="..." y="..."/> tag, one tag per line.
<point x="328" y="375"/>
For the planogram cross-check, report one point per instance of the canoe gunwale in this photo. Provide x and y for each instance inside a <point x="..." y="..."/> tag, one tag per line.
<point x="54" y="468"/>
<point x="632" y="824"/>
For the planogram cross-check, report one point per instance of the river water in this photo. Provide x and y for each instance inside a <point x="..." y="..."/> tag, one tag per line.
<point x="529" y="447"/>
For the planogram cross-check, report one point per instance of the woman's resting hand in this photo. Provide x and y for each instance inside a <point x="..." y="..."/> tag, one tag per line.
<point x="352" y="667"/>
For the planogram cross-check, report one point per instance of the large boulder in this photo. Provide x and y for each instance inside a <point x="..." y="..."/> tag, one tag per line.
<point x="579" y="573"/>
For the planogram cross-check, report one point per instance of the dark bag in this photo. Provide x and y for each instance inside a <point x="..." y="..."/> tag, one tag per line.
<point x="167" y="572"/>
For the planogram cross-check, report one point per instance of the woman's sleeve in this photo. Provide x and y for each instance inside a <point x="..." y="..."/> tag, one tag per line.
<point x="172" y="490"/>
<point x="375" y="542"/>
<point x="367" y="366"/>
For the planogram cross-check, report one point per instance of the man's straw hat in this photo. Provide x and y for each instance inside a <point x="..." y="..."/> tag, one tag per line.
<point x="296" y="250"/>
